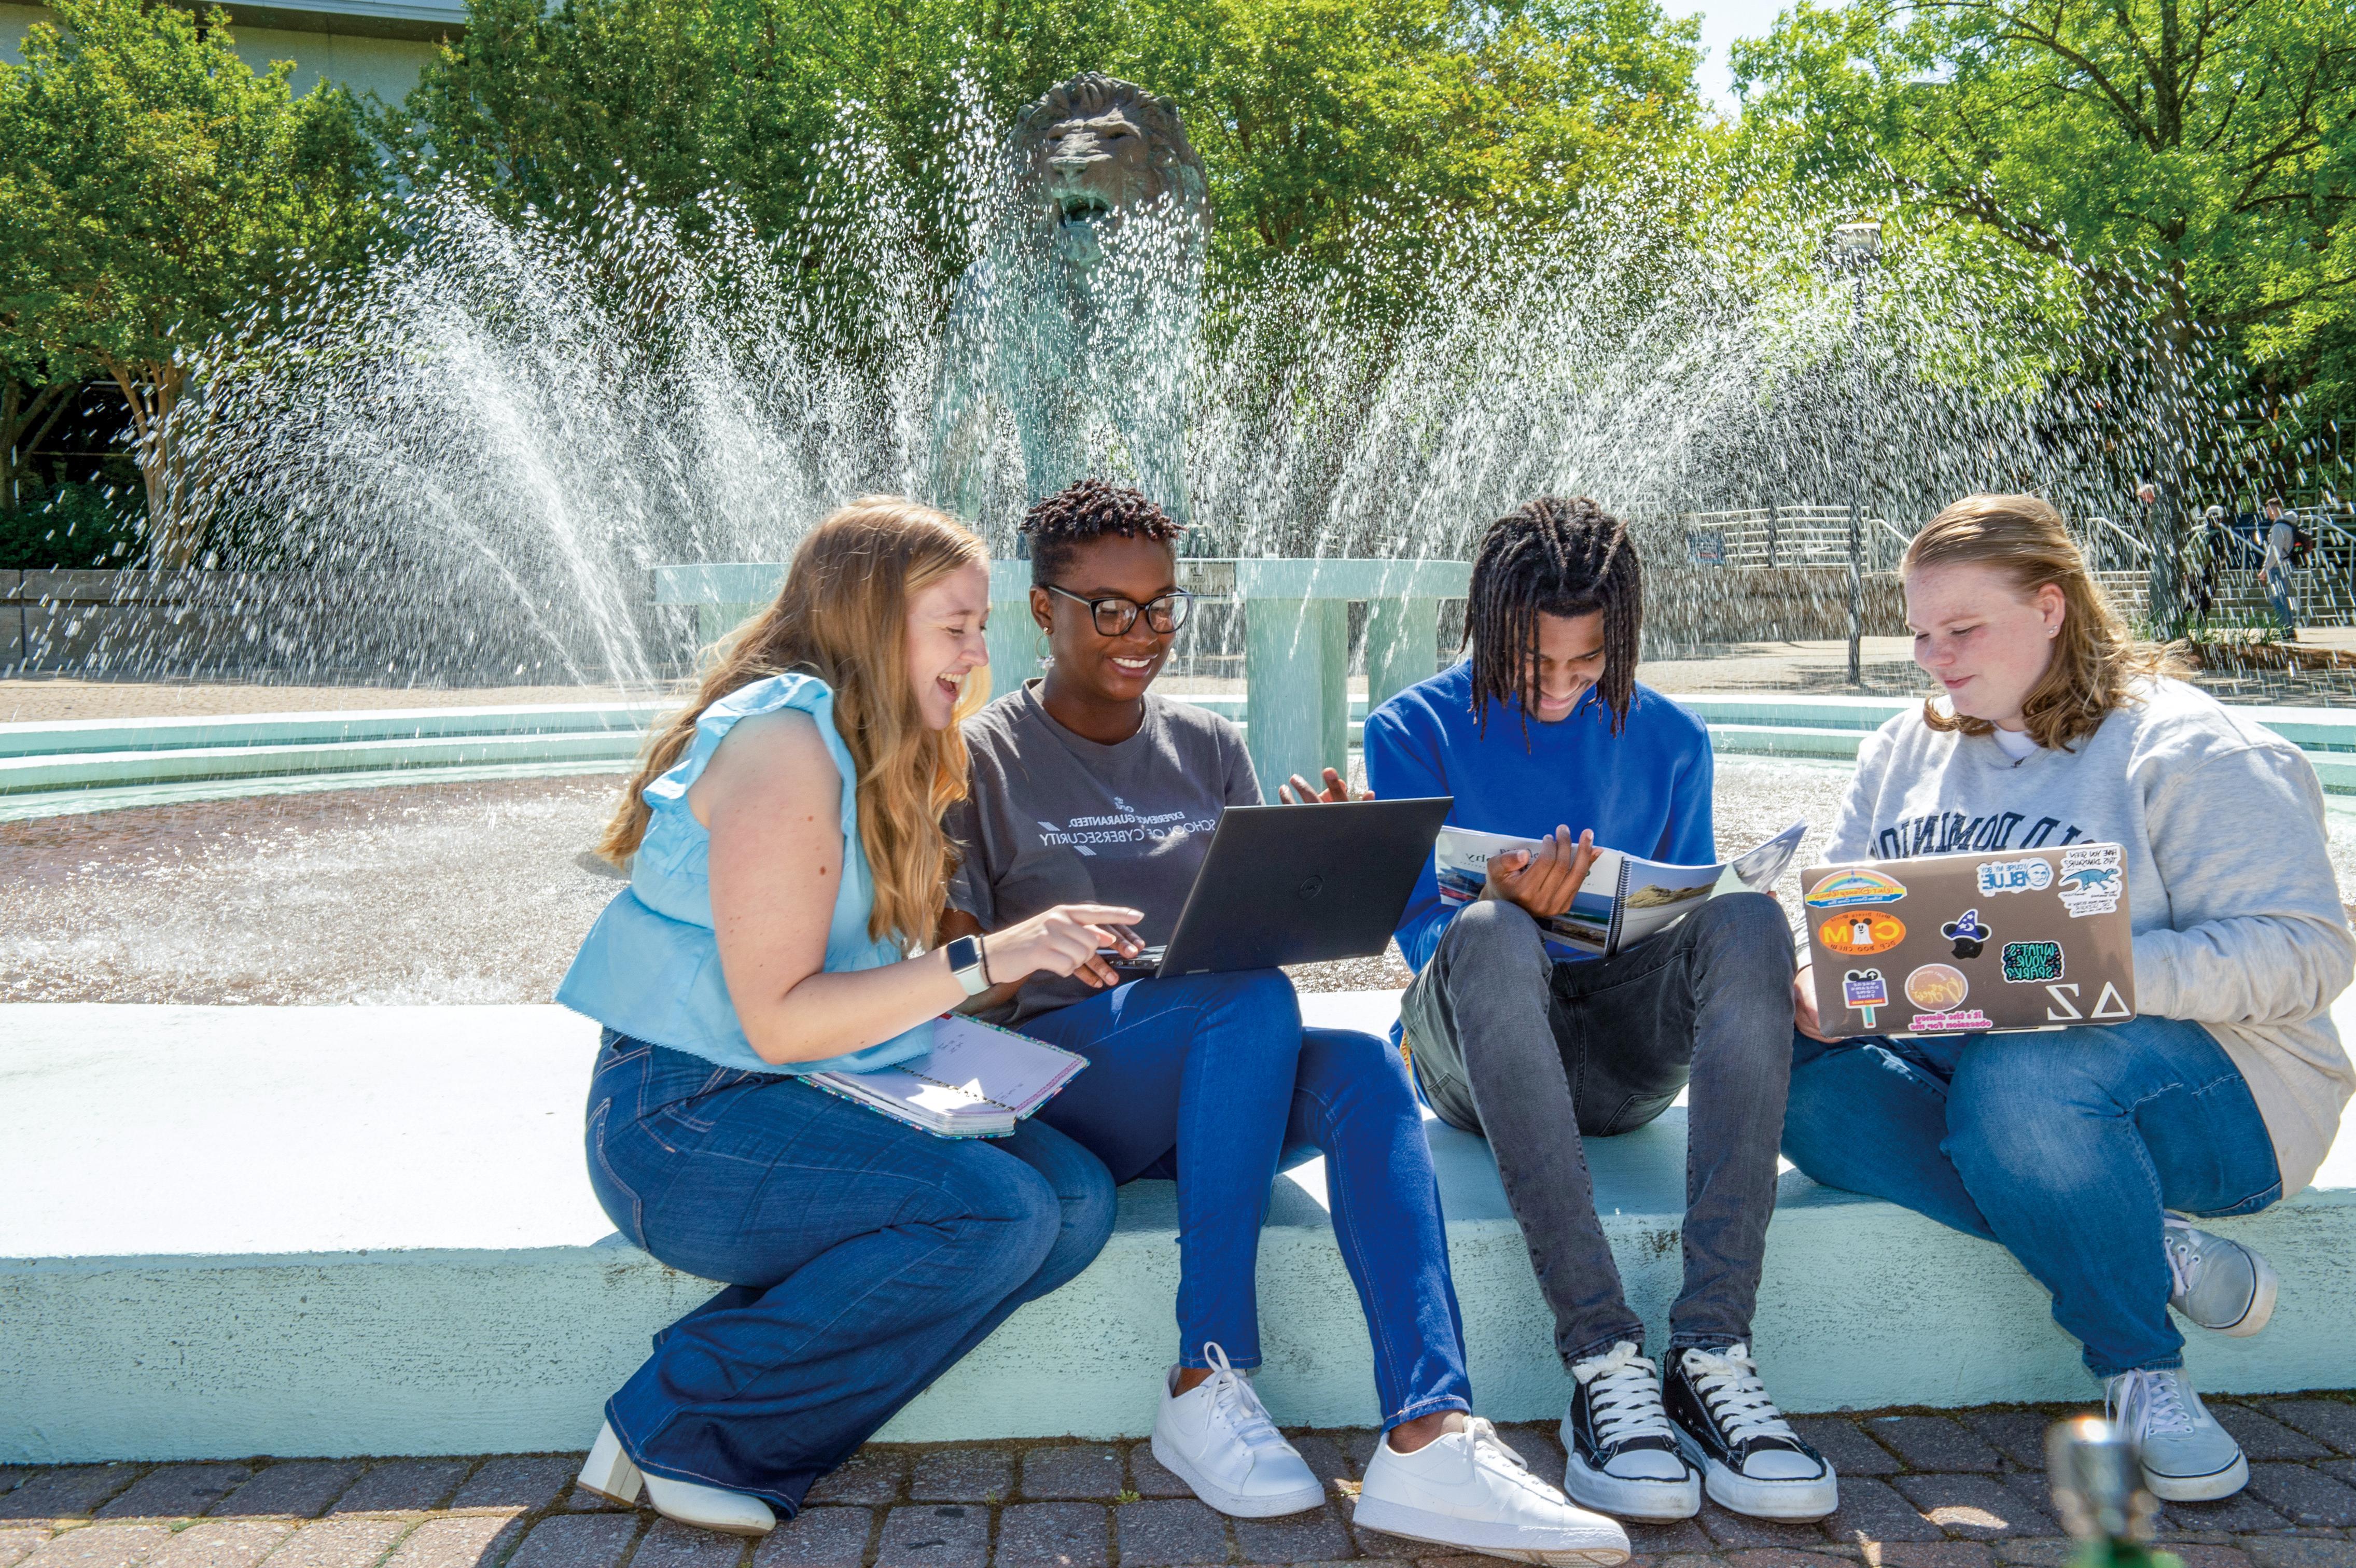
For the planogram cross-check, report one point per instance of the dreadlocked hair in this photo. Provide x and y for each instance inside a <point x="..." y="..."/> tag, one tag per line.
<point x="1552" y="557"/>
<point x="1089" y="510"/>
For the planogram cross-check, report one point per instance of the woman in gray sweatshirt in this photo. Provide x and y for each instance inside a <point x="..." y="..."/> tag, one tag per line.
<point x="2071" y="1147"/>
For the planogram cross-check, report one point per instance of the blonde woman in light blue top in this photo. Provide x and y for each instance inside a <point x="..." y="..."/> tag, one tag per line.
<point x="784" y="842"/>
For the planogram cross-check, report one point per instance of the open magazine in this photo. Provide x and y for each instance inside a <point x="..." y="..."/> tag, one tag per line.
<point x="977" y="1082"/>
<point x="1625" y="898"/>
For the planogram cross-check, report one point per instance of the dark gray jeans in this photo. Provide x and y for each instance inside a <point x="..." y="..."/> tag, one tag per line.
<point x="1535" y="1055"/>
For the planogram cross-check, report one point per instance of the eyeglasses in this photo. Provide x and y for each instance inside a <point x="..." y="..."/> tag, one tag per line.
<point x="1115" y="614"/>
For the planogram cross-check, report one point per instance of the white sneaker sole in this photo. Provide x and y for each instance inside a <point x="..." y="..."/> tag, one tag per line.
<point x="2199" y="1489"/>
<point x="2261" y="1300"/>
<point x="1514" y="1542"/>
<point x="1236" y="1504"/>
<point x="1654" y="1501"/>
<point x="1763" y="1499"/>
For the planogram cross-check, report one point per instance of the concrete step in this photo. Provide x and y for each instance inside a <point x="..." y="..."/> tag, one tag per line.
<point x="342" y="1231"/>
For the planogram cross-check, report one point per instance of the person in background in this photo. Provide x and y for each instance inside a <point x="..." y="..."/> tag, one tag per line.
<point x="2070" y="1148"/>
<point x="1538" y="1046"/>
<point x="784" y="843"/>
<point x="1089" y="785"/>
<point x="2282" y="535"/>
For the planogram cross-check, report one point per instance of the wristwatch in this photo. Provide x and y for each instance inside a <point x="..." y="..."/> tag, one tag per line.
<point x="966" y="963"/>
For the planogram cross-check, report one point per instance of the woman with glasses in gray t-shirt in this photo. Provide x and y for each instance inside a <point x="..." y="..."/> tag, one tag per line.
<point x="1086" y="786"/>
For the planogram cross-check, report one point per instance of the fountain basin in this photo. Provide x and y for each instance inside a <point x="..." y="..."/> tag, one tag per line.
<point x="95" y="764"/>
<point x="336" y="1230"/>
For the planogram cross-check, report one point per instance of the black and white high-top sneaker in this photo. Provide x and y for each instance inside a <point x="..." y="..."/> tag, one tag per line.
<point x="1752" y="1461"/>
<point x="1624" y="1456"/>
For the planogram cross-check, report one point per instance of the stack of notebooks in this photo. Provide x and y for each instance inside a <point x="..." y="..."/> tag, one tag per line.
<point x="978" y="1082"/>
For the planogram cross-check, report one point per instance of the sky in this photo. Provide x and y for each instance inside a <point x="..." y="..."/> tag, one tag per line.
<point x="1722" y="22"/>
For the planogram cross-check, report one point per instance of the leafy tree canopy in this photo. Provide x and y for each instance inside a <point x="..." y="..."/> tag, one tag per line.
<point x="2202" y="150"/>
<point x="153" y="188"/>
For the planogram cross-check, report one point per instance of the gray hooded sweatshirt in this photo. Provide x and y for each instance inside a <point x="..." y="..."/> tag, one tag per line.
<point x="2236" y="912"/>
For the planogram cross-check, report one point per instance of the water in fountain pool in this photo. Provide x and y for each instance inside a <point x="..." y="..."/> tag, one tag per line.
<point x="462" y="893"/>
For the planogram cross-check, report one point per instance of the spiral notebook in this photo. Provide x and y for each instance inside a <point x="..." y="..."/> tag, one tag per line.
<point x="978" y="1082"/>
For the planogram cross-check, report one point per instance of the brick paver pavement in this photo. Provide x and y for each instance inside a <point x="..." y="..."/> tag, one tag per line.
<point x="1919" y="1490"/>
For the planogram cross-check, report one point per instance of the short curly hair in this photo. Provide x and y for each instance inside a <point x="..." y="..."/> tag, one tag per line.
<point x="1059" y="525"/>
<point x="1552" y="557"/>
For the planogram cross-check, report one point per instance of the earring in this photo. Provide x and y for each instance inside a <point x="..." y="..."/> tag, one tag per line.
<point x="1046" y="657"/>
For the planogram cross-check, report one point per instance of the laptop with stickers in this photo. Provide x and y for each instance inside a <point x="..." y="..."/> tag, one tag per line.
<point x="2020" y="939"/>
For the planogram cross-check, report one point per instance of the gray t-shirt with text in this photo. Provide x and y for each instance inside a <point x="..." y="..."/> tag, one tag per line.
<point x="1054" y="819"/>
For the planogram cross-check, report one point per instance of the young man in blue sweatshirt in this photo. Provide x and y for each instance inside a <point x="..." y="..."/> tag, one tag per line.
<point x="1536" y="1046"/>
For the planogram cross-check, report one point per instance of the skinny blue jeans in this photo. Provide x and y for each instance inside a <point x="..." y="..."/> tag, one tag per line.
<point x="1211" y="1081"/>
<point x="864" y="1258"/>
<point x="2063" y="1148"/>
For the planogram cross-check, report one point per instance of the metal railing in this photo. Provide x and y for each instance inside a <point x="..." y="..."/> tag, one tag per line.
<point x="1788" y="536"/>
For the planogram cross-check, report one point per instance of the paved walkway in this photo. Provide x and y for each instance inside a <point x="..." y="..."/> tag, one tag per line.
<point x="1961" y="1489"/>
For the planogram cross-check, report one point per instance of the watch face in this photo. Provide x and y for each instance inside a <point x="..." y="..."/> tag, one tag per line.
<point x="964" y="953"/>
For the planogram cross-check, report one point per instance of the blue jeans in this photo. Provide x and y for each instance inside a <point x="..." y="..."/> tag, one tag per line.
<point x="866" y="1258"/>
<point x="2062" y="1148"/>
<point x="1211" y="1081"/>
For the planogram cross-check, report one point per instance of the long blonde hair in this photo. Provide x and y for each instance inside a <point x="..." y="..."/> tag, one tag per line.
<point x="842" y="615"/>
<point x="2097" y="660"/>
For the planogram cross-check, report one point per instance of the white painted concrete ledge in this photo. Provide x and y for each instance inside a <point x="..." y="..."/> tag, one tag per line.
<point x="338" y="1231"/>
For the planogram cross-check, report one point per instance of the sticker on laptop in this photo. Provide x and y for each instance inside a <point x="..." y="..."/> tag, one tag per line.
<point x="2093" y="876"/>
<point x="2030" y="876"/>
<point x="1864" y="990"/>
<point x="1937" y="987"/>
<point x="2063" y="1007"/>
<point x="2031" y="963"/>
<point x="1862" y="885"/>
<point x="1949" y="1022"/>
<point x="1967" y="934"/>
<point x="1862" y="932"/>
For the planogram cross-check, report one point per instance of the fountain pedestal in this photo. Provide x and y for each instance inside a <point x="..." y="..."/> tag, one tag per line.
<point x="1296" y="635"/>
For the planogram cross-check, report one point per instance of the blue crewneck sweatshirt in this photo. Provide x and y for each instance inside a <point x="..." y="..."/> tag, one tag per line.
<point x="1644" y="790"/>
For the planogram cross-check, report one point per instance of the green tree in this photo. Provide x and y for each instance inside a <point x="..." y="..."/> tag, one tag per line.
<point x="154" y="189"/>
<point x="2198" y="153"/>
<point x="1306" y="110"/>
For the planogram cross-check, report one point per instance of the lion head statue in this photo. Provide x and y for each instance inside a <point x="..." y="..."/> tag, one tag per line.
<point x="1095" y="149"/>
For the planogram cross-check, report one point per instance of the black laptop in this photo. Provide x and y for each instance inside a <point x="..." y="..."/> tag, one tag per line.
<point x="1298" y="884"/>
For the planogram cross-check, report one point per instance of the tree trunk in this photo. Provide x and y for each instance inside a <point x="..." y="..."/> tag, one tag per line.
<point x="152" y="389"/>
<point x="27" y="414"/>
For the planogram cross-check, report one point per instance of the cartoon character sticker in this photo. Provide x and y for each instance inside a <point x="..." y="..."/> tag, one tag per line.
<point x="1864" y="990"/>
<point x="1967" y="934"/>
<point x="2029" y="876"/>
<point x="1937" y="987"/>
<point x="1863" y="885"/>
<point x="2093" y="876"/>
<point x="1861" y="932"/>
<point x="2031" y="963"/>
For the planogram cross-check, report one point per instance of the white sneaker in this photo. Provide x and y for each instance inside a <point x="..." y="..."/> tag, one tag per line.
<point x="1468" y="1490"/>
<point x="1216" y="1437"/>
<point x="2186" y="1457"/>
<point x="2218" y="1284"/>
<point x="612" y="1475"/>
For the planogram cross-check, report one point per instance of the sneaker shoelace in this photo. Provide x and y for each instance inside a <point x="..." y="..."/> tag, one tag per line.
<point x="1237" y="1404"/>
<point x="2184" y="1254"/>
<point x="1490" y="1451"/>
<point x="2146" y="1402"/>
<point x="1624" y="1394"/>
<point x="1730" y="1385"/>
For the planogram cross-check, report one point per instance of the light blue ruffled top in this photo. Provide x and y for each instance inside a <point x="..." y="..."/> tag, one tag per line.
<point x="650" y="967"/>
